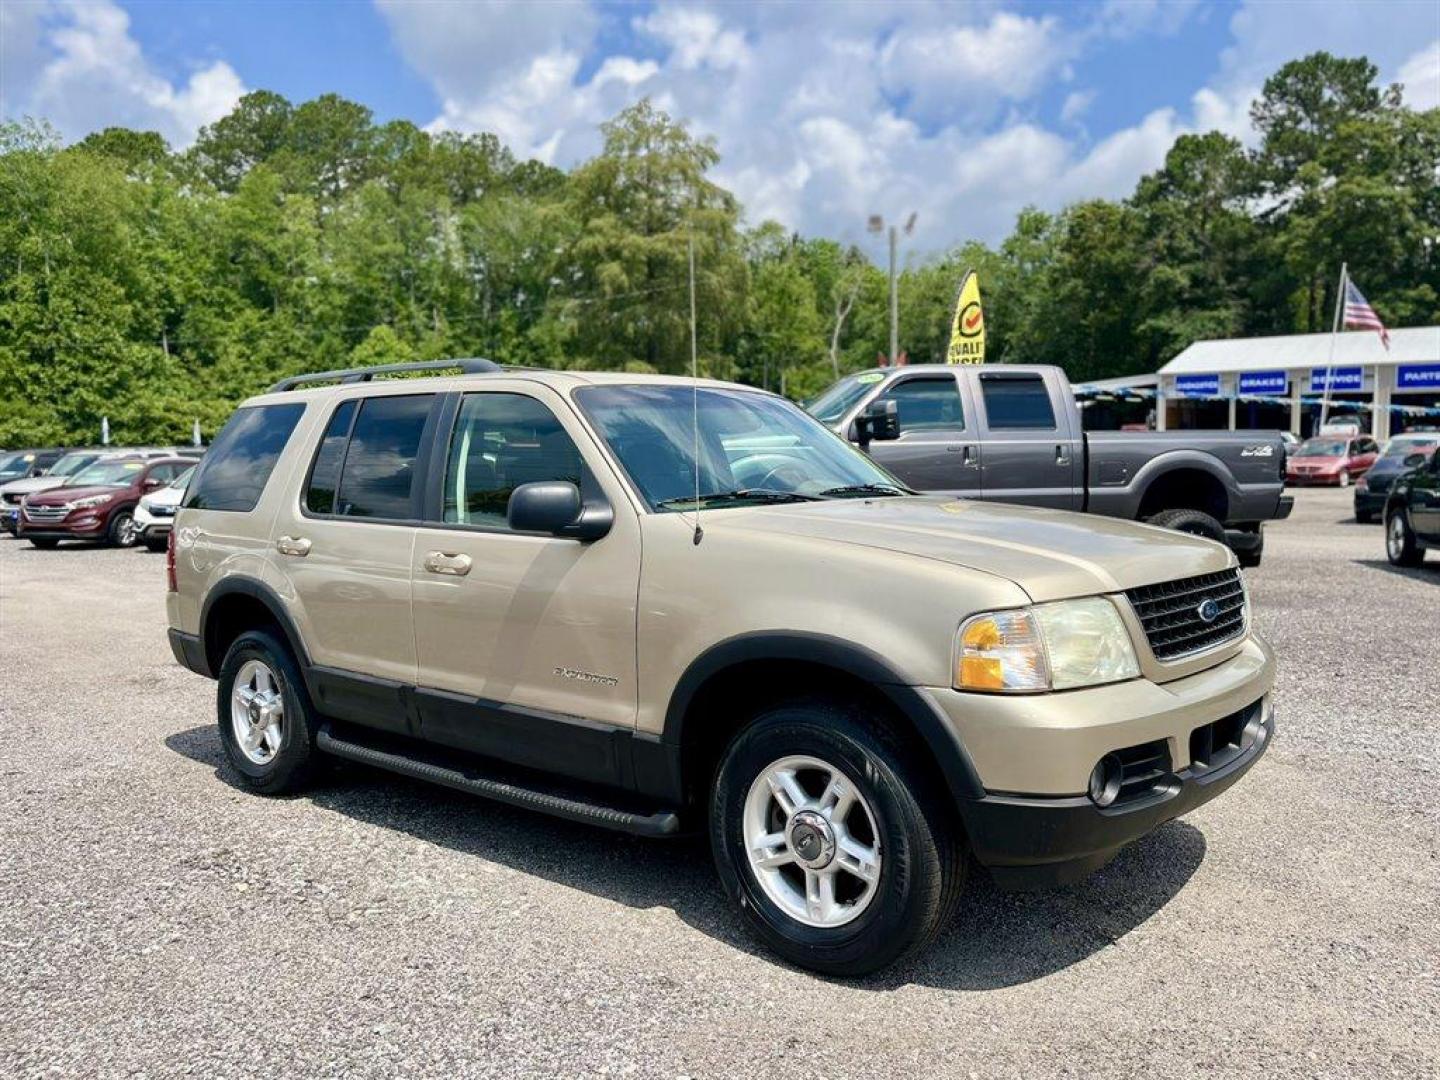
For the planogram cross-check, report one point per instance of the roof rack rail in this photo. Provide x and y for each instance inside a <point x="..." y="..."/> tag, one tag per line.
<point x="468" y="365"/>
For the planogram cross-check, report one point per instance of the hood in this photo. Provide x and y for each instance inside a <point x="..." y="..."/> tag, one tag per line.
<point x="166" y="496"/>
<point x="61" y="495"/>
<point x="1051" y="554"/>
<point x="30" y="485"/>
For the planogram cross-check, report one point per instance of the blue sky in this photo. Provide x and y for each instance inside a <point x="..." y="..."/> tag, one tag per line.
<point x="822" y="113"/>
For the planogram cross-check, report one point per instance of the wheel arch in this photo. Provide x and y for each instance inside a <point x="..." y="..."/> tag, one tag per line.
<point x="751" y="669"/>
<point x="1184" y="481"/>
<point x="238" y="604"/>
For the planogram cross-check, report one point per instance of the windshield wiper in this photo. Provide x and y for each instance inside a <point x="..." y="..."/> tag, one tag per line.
<point x="865" y="489"/>
<point x="741" y="495"/>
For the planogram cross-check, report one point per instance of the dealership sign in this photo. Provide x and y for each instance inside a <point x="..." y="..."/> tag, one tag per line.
<point x="1197" y="385"/>
<point x="1341" y="378"/>
<point x="1417" y="377"/>
<point x="1264" y="383"/>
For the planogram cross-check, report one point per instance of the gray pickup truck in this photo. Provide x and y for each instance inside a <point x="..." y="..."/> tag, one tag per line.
<point x="1012" y="433"/>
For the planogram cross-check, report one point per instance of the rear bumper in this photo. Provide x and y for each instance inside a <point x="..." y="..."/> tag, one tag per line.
<point x="189" y="652"/>
<point x="1030" y="843"/>
<point x="1284" y="507"/>
<point x="1371" y="502"/>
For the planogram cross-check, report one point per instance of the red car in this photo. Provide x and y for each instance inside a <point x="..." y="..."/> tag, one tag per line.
<point x="97" y="503"/>
<point x="1331" y="459"/>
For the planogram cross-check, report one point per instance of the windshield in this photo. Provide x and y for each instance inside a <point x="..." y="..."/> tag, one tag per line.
<point x="71" y="463"/>
<point x="1322" y="448"/>
<point x="1405" y="445"/>
<point x="834" y="403"/>
<point x="753" y="448"/>
<point x="106" y="474"/>
<point x="183" y="479"/>
<point x="13" y="465"/>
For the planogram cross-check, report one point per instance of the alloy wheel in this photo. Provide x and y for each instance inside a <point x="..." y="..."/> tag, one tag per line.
<point x="1395" y="537"/>
<point x="257" y="712"/>
<point x="812" y="841"/>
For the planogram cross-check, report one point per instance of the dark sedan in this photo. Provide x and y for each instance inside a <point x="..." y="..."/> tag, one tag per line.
<point x="1412" y="512"/>
<point x="1372" y="489"/>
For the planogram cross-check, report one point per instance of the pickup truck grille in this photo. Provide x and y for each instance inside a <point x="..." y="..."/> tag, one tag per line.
<point x="1171" y="613"/>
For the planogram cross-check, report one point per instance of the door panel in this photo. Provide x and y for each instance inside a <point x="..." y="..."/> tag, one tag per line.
<point x="937" y="450"/>
<point x="1031" y="455"/>
<point x="519" y="620"/>
<point x="344" y="549"/>
<point x="1425" y="502"/>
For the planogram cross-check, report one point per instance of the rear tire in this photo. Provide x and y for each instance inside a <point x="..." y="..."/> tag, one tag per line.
<point x="281" y="759"/>
<point x="1195" y="522"/>
<point x="898" y="814"/>
<point x="1401" y="547"/>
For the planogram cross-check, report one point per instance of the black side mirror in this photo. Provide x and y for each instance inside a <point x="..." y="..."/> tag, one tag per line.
<point x="555" y="507"/>
<point x="880" y="422"/>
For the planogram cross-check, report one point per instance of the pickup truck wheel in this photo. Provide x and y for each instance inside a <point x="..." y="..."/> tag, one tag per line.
<point x="1400" y="545"/>
<point x="837" y="849"/>
<point x="267" y="724"/>
<point x="1196" y="522"/>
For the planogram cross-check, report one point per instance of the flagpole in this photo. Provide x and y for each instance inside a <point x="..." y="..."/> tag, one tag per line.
<point x="1334" y="334"/>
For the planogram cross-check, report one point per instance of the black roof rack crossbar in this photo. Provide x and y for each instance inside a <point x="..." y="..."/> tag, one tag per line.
<point x="469" y="366"/>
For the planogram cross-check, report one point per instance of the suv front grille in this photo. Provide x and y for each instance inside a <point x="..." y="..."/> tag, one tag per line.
<point x="1170" y="613"/>
<point x="46" y="513"/>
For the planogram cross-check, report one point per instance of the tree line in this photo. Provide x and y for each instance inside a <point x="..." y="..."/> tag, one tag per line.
<point x="154" y="286"/>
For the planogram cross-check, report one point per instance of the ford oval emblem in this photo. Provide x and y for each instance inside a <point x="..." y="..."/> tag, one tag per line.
<point x="1208" y="611"/>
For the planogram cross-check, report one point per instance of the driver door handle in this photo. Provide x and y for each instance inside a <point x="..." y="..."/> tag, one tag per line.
<point x="1061" y="458"/>
<point x="293" y="545"/>
<point x="971" y="459"/>
<point x="445" y="562"/>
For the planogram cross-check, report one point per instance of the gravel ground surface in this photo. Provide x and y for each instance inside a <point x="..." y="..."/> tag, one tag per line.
<point x="156" y="919"/>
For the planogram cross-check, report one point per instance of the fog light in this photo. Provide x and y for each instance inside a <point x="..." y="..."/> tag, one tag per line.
<point x="1105" y="780"/>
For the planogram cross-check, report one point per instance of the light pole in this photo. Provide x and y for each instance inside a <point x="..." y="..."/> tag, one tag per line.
<point x="877" y="225"/>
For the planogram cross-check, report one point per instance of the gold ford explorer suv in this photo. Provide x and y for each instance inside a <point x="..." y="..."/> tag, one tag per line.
<point x="503" y="581"/>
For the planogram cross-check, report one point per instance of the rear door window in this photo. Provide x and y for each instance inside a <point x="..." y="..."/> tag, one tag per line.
<point x="377" y="479"/>
<point x="325" y="471"/>
<point x="1017" y="403"/>
<point x="233" y="474"/>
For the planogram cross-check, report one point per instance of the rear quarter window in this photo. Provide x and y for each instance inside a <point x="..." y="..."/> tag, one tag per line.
<point x="232" y="476"/>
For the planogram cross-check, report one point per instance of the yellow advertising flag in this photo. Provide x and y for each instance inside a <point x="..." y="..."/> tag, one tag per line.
<point x="967" y="328"/>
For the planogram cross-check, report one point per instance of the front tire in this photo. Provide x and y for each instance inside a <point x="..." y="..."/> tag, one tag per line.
<point x="267" y="724"/>
<point x="1401" y="547"/>
<point x="122" y="532"/>
<point x="838" y="848"/>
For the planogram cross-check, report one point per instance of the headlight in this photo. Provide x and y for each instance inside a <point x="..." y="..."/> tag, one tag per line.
<point x="1057" y="646"/>
<point x="85" y="504"/>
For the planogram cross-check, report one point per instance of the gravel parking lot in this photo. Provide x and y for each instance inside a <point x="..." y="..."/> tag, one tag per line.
<point x="156" y="919"/>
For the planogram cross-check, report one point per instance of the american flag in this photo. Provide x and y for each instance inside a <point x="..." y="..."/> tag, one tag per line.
<point x="1359" y="314"/>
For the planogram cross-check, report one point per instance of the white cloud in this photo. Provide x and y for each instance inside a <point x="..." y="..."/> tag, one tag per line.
<point x="1077" y="104"/>
<point x="1420" y="75"/>
<point x="962" y="71"/>
<point x="85" y="72"/>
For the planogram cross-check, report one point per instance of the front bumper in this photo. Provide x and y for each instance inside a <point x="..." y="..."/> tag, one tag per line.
<point x="1033" y="754"/>
<point x="1030" y="843"/>
<point x="1313" y="479"/>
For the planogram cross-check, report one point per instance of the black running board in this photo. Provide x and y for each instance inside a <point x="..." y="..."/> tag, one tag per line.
<point x="660" y="823"/>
